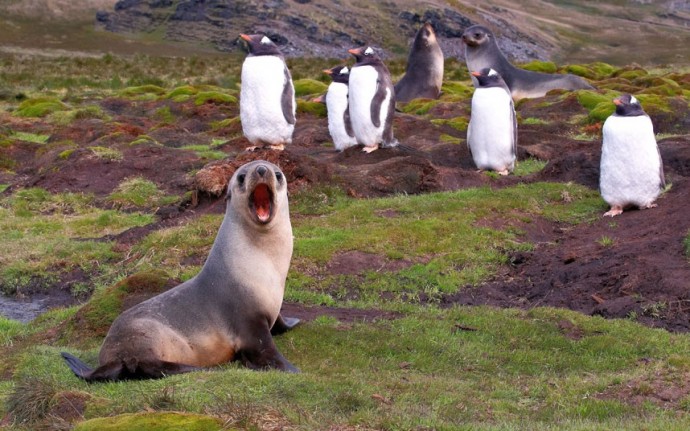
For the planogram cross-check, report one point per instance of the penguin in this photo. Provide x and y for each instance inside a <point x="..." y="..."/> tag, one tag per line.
<point x="492" y="131"/>
<point x="631" y="170"/>
<point x="424" y="72"/>
<point x="267" y="95"/>
<point x="371" y="99"/>
<point x="481" y="51"/>
<point x="339" y="124"/>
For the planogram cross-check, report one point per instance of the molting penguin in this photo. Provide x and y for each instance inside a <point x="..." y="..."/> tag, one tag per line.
<point x="492" y="132"/>
<point x="267" y="95"/>
<point x="229" y="310"/>
<point x="481" y="51"/>
<point x="371" y="99"/>
<point x="631" y="171"/>
<point x="339" y="124"/>
<point x="424" y="72"/>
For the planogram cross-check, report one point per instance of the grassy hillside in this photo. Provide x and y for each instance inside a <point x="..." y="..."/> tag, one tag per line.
<point x="100" y="159"/>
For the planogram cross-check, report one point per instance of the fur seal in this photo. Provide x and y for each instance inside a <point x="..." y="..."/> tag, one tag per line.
<point x="267" y="95"/>
<point x="631" y="171"/>
<point x="481" y="51"/>
<point x="424" y="72"/>
<point x="226" y="312"/>
<point x="371" y="100"/>
<point x="492" y="131"/>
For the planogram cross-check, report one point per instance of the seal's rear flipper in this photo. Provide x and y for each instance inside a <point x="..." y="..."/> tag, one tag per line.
<point x="284" y="324"/>
<point x="118" y="370"/>
<point x="79" y="368"/>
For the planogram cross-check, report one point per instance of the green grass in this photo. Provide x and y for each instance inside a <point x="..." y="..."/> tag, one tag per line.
<point x="30" y="137"/>
<point x="686" y="243"/>
<point x="44" y="235"/>
<point x="528" y="166"/>
<point x="138" y="192"/>
<point x="513" y="370"/>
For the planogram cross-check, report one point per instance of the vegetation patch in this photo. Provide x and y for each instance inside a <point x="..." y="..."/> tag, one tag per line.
<point x="30" y="137"/>
<point x="541" y="66"/>
<point x="40" y="107"/>
<point x="213" y="97"/>
<point x="156" y="421"/>
<point x="309" y="87"/>
<point x="529" y="166"/>
<point x="314" y="108"/>
<point x="139" y="193"/>
<point x="41" y="231"/>
<point x="108" y="154"/>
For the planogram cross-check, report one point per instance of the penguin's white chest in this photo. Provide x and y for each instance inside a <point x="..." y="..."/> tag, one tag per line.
<point x="337" y="105"/>
<point x="261" y="92"/>
<point x="491" y="132"/>
<point x="364" y="82"/>
<point x="630" y="170"/>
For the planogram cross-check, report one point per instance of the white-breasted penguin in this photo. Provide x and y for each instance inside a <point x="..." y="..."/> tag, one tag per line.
<point x="492" y="132"/>
<point x="482" y="51"/>
<point x="631" y="171"/>
<point x="424" y="72"/>
<point x="371" y="100"/>
<point x="339" y="124"/>
<point x="267" y="95"/>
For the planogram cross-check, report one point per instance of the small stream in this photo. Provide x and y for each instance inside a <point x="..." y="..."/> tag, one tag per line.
<point x="23" y="310"/>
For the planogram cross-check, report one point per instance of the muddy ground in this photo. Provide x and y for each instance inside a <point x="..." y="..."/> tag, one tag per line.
<point x="643" y="273"/>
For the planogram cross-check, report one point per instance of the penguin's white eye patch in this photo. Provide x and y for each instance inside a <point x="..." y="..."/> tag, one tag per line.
<point x="344" y="71"/>
<point x="265" y="40"/>
<point x="492" y="72"/>
<point x="368" y="51"/>
<point x="633" y="100"/>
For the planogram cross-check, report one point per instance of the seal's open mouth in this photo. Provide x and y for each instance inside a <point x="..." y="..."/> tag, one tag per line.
<point x="261" y="202"/>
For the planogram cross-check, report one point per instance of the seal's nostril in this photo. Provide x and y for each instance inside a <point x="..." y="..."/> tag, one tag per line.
<point x="261" y="170"/>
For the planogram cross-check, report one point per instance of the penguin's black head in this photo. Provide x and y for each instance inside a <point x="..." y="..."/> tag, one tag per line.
<point x="488" y="77"/>
<point x="339" y="74"/>
<point x="364" y="55"/>
<point x="259" y="44"/>
<point x="476" y="35"/>
<point x="628" y="106"/>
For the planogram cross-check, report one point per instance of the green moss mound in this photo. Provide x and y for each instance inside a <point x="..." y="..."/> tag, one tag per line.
<point x="182" y="94"/>
<point x="419" y="106"/>
<point x="305" y="87"/>
<point x="456" y="91"/>
<point x="315" y="108"/>
<point x="40" y="107"/>
<point x="158" y="421"/>
<point x="140" y="90"/>
<point x="541" y="66"/>
<point x="213" y="97"/>
<point x="458" y="123"/>
<point x="630" y="72"/>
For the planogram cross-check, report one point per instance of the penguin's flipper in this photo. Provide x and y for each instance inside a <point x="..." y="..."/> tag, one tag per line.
<point x="288" y="98"/>
<point x="515" y="127"/>
<point x="469" y="136"/>
<point x="662" y="178"/>
<point x="376" y="103"/>
<point x="348" y="123"/>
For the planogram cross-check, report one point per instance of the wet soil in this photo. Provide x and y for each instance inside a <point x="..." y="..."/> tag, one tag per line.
<point x="631" y="266"/>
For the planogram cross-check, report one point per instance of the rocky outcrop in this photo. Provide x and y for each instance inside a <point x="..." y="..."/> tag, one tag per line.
<point x="302" y="28"/>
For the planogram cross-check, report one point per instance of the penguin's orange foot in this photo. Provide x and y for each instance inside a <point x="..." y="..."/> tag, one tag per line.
<point x="370" y="149"/>
<point x="652" y="205"/>
<point x="504" y="172"/>
<point x="277" y="147"/>
<point x="252" y="148"/>
<point x="614" y="211"/>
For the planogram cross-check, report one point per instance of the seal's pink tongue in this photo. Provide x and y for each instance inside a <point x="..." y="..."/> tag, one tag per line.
<point x="262" y="202"/>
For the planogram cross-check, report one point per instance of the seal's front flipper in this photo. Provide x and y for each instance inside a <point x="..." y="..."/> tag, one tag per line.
<point x="263" y="354"/>
<point x="284" y="324"/>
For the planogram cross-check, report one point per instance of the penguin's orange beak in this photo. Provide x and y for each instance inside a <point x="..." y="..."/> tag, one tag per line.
<point x="328" y="71"/>
<point x="355" y="51"/>
<point x="617" y="102"/>
<point x="475" y="73"/>
<point x="245" y="37"/>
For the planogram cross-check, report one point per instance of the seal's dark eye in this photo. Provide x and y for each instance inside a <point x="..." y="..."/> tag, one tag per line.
<point x="477" y="35"/>
<point x="240" y="178"/>
<point x="279" y="177"/>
